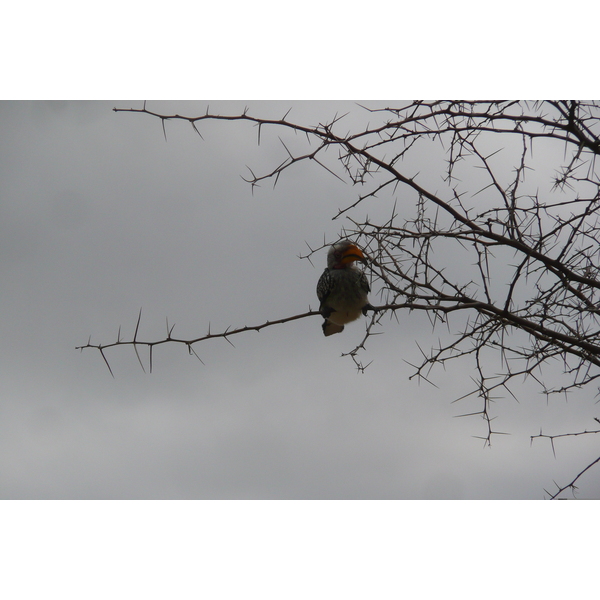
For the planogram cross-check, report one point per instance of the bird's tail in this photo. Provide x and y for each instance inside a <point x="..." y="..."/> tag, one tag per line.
<point x="330" y="328"/>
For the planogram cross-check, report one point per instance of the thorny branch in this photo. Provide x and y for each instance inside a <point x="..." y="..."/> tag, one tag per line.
<point x="572" y="485"/>
<point x="498" y="238"/>
<point x="169" y="339"/>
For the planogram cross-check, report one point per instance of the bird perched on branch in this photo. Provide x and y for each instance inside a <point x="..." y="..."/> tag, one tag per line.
<point x="342" y="288"/>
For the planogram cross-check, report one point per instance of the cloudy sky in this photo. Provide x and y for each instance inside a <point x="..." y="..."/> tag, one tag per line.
<point x="101" y="217"/>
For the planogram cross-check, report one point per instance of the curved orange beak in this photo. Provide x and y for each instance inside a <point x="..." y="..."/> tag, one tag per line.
<point x="352" y="254"/>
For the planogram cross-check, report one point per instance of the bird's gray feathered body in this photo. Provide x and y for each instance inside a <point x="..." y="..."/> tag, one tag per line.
<point x="342" y="288"/>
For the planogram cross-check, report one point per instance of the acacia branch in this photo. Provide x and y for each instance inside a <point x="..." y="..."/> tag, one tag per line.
<point x="327" y="137"/>
<point x="550" y="287"/>
<point x="572" y="485"/>
<point x="561" y="435"/>
<point x="186" y="342"/>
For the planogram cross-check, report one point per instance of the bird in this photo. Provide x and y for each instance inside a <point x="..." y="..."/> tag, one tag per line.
<point x="342" y="288"/>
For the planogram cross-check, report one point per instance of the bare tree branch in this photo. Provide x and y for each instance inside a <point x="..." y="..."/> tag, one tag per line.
<point x="572" y="485"/>
<point x="169" y="339"/>
<point x="498" y="240"/>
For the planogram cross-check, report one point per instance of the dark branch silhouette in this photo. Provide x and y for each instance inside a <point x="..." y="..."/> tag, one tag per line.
<point x="498" y="238"/>
<point x="169" y="339"/>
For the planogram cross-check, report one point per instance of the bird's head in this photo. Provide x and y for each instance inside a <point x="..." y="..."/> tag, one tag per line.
<point x="344" y="253"/>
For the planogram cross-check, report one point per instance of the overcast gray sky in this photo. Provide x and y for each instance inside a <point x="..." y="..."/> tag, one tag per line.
<point x="100" y="216"/>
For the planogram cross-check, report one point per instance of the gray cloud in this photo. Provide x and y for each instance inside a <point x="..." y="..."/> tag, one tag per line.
<point x="101" y="216"/>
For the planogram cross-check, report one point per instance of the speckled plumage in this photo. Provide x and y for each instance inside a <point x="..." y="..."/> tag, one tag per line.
<point x="342" y="289"/>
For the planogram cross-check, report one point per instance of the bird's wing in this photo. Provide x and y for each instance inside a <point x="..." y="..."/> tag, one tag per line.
<point x="364" y="282"/>
<point x="324" y="286"/>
